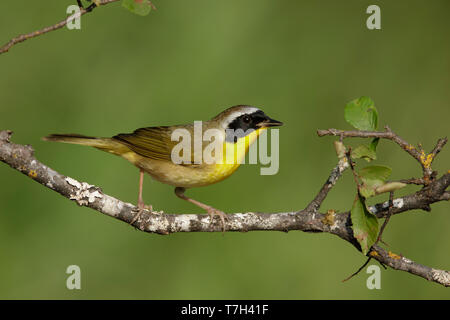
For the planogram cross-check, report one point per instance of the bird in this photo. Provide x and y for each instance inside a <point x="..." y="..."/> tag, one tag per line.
<point x="151" y="149"/>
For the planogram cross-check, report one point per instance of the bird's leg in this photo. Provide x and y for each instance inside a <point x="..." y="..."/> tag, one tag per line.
<point x="141" y="205"/>
<point x="179" y="191"/>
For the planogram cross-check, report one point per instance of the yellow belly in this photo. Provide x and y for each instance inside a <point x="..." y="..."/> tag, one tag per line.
<point x="189" y="176"/>
<point x="180" y="175"/>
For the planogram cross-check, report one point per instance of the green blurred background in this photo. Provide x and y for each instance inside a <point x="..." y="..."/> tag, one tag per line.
<point x="300" y="61"/>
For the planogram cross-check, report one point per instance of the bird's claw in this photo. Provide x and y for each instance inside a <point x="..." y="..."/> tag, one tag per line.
<point x="141" y="208"/>
<point x="223" y="217"/>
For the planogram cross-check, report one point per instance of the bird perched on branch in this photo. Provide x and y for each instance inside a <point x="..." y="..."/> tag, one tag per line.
<point x="151" y="150"/>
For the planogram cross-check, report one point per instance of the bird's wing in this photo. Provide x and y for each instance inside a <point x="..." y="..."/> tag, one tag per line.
<point x="152" y="142"/>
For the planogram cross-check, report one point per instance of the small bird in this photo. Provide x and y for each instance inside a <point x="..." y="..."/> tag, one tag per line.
<point x="150" y="150"/>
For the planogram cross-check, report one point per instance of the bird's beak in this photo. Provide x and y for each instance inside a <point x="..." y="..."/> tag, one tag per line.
<point x="268" y="122"/>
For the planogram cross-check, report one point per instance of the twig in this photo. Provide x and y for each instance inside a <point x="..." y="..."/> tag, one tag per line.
<point x="335" y="174"/>
<point x="402" y="263"/>
<point x="386" y="220"/>
<point x="352" y="167"/>
<point x="358" y="271"/>
<point x="439" y="145"/>
<point x="59" y="25"/>
<point x="424" y="159"/>
<point x="416" y="181"/>
<point x="417" y="200"/>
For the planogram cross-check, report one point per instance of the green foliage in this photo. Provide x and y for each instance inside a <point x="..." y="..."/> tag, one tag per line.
<point x="364" y="152"/>
<point x="372" y="178"/>
<point x="362" y="114"/>
<point x="365" y="224"/>
<point x="140" y="7"/>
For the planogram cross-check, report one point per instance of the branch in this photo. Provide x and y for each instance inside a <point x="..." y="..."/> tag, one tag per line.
<point x="419" y="154"/>
<point x="22" y="158"/>
<point x="315" y="204"/>
<point x="59" y="25"/>
<point x="399" y="262"/>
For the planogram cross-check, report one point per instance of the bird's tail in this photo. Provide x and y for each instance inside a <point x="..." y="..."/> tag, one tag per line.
<point x="105" y="144"/>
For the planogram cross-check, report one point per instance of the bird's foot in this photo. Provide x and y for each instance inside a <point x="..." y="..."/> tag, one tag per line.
<point x="214" y="212"/>
<point x="141" y="207"/>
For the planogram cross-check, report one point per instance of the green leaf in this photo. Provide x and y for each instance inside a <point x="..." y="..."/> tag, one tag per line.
<point x="365" y="224"/>
<point x="364" y="152"/>
<point x="373" y="177"/>
<point x="362" y="114"/>
<point x="140" y="7"/>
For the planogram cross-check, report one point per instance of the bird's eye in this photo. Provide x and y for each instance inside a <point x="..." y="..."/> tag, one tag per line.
<point x="246" y="119"/>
